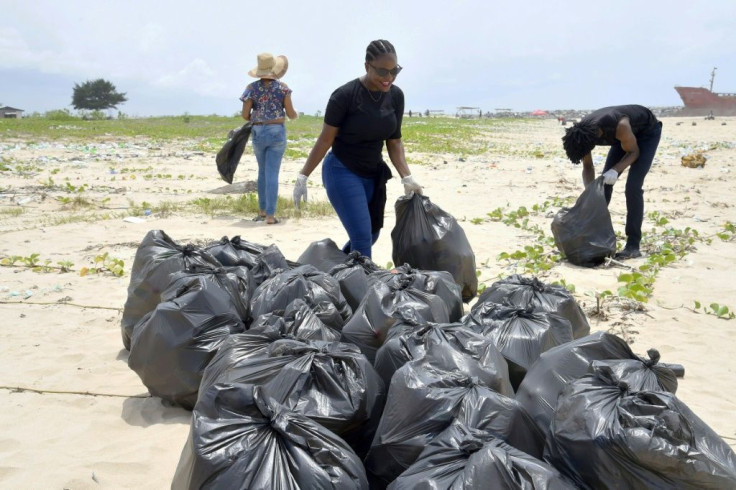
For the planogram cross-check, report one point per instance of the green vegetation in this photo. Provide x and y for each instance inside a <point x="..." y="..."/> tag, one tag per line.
<point x="720" y="311"/>
<point x="444" y="135"/>
<point x="12" y="212"/>
<point x="436" y="135"/>
<point x="157" y="128"/>
<point x="55" y="219"/>
<point x="663" y="244"/>
<point x="102" y="264"/>
<point x="246" y="205"/>
<point x="34" y="263"/>
<point x="96" y="95"/>
<point x="426" y="139"/>
<point x="105" y="264"/>
<point x="729" y="232"/>
<point x="537" y="258"/>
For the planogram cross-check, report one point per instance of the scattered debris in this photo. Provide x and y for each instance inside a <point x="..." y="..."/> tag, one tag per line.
<point x="694" y="160"/>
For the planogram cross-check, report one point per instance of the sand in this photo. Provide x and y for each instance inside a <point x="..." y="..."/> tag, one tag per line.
<point x="62" y="436"/>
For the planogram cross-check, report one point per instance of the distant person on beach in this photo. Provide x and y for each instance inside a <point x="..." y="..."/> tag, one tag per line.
<point x="633" y="133"/>
<point x="360" y="116"/>
<point x="265" y="103"/>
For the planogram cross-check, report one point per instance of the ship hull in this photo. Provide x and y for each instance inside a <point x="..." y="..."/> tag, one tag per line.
<point x="701" y="100"/>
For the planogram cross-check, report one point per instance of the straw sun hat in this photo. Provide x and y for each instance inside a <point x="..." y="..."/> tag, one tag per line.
<point x="270" y="66"/>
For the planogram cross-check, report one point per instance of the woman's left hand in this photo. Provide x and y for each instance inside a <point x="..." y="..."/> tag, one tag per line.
<point x="411" y="185"/>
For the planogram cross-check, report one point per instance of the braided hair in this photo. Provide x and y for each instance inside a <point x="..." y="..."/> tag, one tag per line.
<point x="378" y="48"/>
<point x="579" y="140"/>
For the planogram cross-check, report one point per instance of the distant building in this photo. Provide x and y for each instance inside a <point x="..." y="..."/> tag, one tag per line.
<point x="11" y="112"/>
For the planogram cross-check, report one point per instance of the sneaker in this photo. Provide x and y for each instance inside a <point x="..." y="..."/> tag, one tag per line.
<point x="627" y="253"/>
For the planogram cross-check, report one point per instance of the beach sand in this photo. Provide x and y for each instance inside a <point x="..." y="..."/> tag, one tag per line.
<point x="62" y="436"/>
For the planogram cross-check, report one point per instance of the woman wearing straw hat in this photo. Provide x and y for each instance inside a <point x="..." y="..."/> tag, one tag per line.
<point x="360" y="116"/>
<point x="265" y="102"/>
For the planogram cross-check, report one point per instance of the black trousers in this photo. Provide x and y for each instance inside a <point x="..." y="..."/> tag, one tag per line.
<point x="648" y="144"/>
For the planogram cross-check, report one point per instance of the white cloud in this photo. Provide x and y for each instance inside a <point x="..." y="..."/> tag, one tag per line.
<point x="197" y="77"/>
<point x="16" y="53"/>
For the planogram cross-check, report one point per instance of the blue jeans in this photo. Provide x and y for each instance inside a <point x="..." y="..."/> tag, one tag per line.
<point x="648" y="144"/>
<point x="350" y="194"/>
<point x="269" y="145"/>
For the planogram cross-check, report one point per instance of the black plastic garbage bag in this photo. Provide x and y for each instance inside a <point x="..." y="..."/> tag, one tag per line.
<point x="424" y="399"/>
<point x="173" y="344"/>
<point x="605" y="436"/>
<point x="330" y="382"/>
<point x="584" y="233"/>
<point x="352" y="275"/>
<point x="240" y="438"/>
<point x="559" y="366"/>
<point x="323" y="254"/>
<point x="426" y="237"/>
<point x="521" y="334"/>
<point x="269" y="263"/>
<point x="318" y="289"/>
<point x="463" y="458"/>
<point x="529" y="291"/>
<point x="156" y="258"/>
<point x="264" y="332"/>
<point x="395" y="352"/>
<point x="440" y="283"/>
<point x="299" y="321"/>
<point x="239" y="348"/>
<point x="263" y="261"/>
<point x="409" y="339"/>
<point x="228" y="157"/>
<point x="377" y="314"/>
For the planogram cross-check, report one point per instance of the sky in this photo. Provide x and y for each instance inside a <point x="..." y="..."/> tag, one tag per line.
<point x="177" y="57"/>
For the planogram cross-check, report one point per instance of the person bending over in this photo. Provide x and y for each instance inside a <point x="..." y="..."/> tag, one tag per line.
<point x="360" y="116"/>
<point x="633" y="133"/>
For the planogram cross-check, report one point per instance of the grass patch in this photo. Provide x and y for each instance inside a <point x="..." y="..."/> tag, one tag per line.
<point x="298" y="153"/>
<point x="11" y="212"/>
<point x="56" y="220"/>
<point x="163" y="209"/>
<point x="434" y="135"/>
<point x="247" y="204"/>
<point x="76" y="202"/>
<point x="209" y="132"/>
<point x="445" y="135"/>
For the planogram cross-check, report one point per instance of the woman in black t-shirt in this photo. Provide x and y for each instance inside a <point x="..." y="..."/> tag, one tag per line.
<point x="360" y="116"/>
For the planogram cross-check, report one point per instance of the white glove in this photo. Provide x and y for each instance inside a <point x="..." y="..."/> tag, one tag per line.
<point x="411" y="185"/>
<point x="610" y="176"/>
<point x="300" y="189"/>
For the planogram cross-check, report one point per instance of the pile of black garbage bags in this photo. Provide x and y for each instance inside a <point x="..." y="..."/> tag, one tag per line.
<point x="332" y="372"/>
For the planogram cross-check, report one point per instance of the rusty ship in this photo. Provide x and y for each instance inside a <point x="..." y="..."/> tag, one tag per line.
<point x="701" y="100"/>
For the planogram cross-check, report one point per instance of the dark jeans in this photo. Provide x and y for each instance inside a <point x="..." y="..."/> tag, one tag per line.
<point x="648" y="144"/>
<point x="350" y="194"/>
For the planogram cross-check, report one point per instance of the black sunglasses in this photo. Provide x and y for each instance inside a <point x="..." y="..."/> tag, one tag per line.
<point x="383" y="72"/>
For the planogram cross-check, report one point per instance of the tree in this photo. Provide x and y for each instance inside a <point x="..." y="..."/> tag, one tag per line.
<point x="96" y="95"/>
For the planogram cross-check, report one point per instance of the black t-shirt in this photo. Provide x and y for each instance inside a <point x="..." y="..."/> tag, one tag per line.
<point x="365" y="120"/>
<point x="642" y="120"/>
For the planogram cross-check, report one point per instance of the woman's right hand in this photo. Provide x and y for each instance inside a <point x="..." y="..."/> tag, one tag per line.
<point x="300" y="189"/>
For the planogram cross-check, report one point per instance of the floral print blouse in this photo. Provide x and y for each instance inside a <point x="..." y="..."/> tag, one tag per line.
<point x="268" y="100"/>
